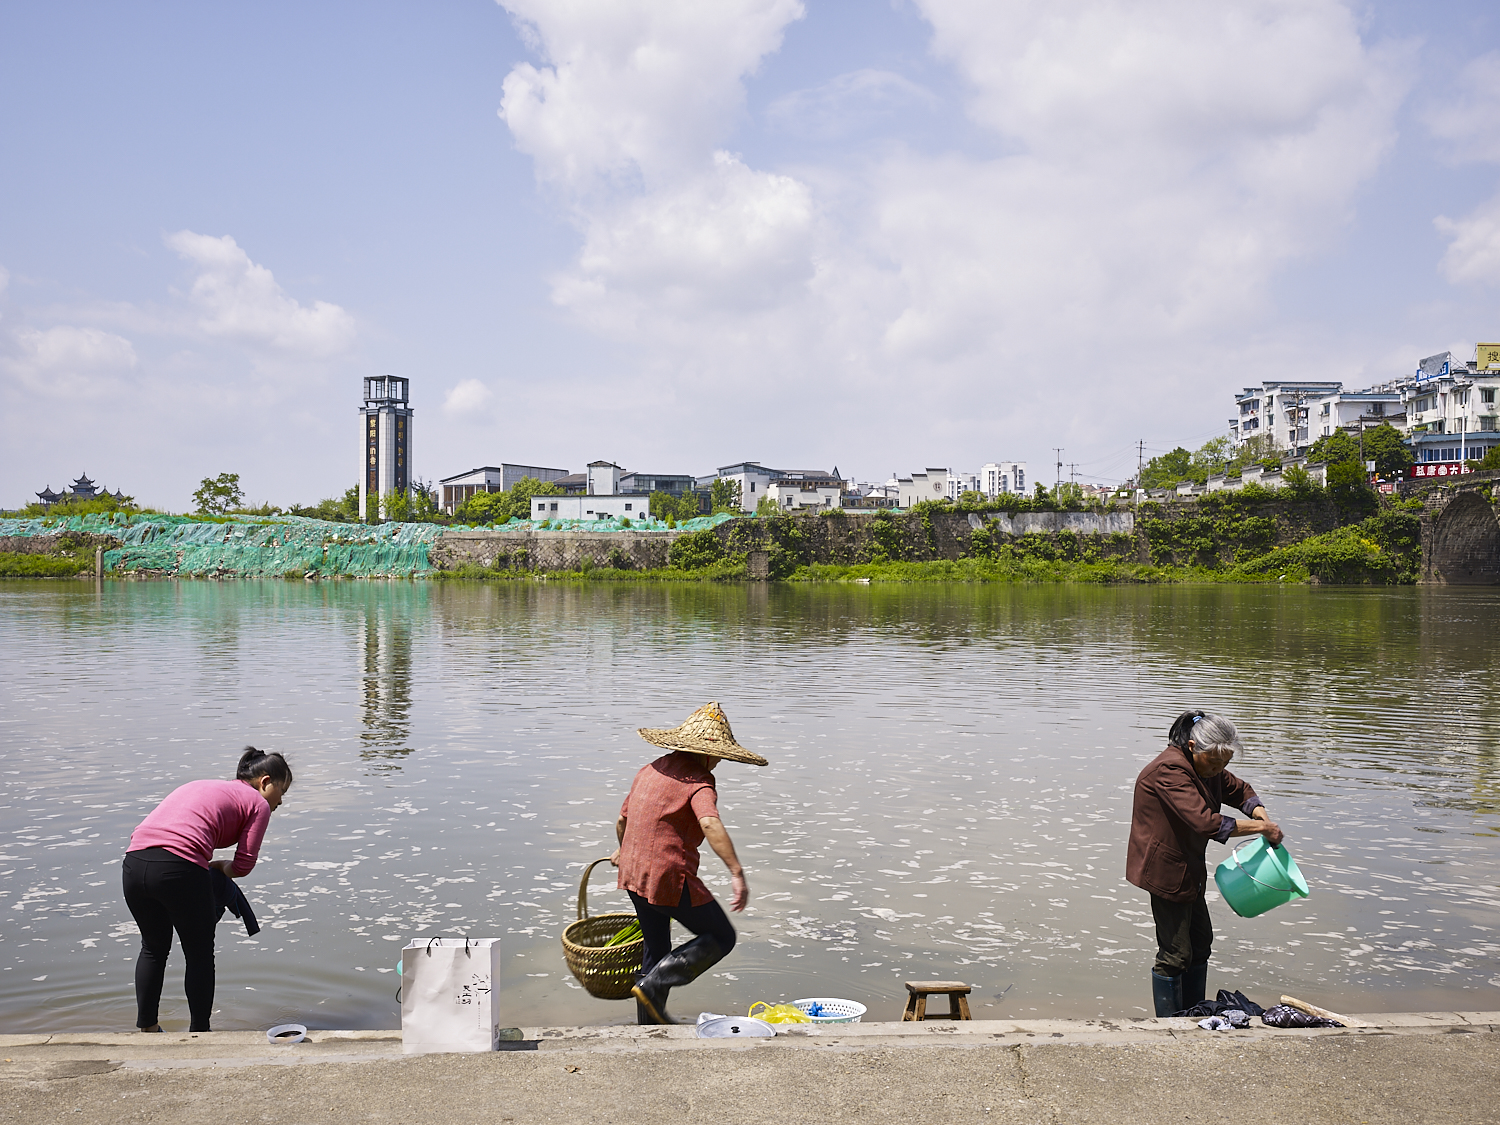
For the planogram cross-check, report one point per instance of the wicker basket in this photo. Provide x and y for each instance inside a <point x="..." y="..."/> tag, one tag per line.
<point x="607" y="973"/>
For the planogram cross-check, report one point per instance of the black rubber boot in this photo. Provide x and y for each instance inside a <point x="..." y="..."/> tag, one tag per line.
<point x="683" y="965"/>
<point x="1194" y="984"/>
<point x="1166" y="994"/>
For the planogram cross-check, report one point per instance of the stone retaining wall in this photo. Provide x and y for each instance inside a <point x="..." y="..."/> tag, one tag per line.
<point x="58" y="543"/>
<point x="551" y="550"/>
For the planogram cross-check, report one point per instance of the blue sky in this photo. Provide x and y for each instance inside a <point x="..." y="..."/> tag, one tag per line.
<point x="676" y="235"/>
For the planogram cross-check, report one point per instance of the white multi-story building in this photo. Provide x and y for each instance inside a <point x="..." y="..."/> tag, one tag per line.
<point x="1278" y="409"/>
<point x="1002" y="476"/>
<point x="1451" y="410"/>
<point x="959" y="483"/>
<point x="929" y="485"/>
<point x="794" y="495"/>
<point x="755" y="479"/>
<point x="1349" y="410"/>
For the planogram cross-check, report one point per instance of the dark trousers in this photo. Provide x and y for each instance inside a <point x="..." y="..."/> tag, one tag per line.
<point x="708" y="920"/>
<point x="1184" y="935"/>
<point x="164" y="893"/>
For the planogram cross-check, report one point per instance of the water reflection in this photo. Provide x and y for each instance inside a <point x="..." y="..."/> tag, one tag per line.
<point x="949" y="782"/>
<point x="385" y="643"/>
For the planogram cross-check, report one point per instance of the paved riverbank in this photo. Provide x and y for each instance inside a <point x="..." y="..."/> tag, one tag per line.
<point x="1412" y="1067"/>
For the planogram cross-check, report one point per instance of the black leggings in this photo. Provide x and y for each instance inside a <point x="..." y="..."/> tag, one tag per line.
<point x="656" y="925"/>
<point x="166" y="892"/>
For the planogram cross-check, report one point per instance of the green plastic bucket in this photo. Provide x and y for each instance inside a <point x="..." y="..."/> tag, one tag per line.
<point x="1256" y="878"/>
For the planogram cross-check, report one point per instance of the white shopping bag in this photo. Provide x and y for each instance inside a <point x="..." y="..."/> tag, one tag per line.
<point x="449" y="988"/>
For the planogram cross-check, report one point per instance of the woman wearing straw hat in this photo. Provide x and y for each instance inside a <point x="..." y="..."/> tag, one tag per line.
<point x="671" y="808"/>
<point x="1177" y="801"/>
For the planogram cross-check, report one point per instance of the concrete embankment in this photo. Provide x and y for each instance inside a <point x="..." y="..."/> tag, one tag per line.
<point x="1411" y="1067"/>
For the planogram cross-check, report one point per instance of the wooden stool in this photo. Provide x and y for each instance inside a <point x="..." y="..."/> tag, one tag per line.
<point x="916" y="1003"/>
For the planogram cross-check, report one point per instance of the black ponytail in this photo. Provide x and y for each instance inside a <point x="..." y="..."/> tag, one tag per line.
<point x="1182" y="729"/>
<point x="254" y="765"/>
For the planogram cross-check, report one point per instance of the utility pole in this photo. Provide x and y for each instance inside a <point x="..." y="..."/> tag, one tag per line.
<point x="1059" y="452"/>
<point x="1073" y="471"/>
<point x="1140" y="461"/>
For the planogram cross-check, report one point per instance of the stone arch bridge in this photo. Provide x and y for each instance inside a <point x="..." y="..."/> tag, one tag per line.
<point x="1461" y="536"/>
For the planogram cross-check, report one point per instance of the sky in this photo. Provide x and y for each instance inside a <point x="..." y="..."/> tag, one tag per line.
<point x="881" y="236"/>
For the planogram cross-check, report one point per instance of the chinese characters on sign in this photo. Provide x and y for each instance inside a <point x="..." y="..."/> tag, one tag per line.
<point x="372" y="440"/>
<point x="1440" y="469"/>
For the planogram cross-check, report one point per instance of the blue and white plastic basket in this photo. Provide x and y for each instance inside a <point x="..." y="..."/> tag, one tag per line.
<point x="830" y="1009"/>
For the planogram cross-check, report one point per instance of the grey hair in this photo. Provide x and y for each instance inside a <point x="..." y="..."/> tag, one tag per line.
<point x="1214" y="730"/>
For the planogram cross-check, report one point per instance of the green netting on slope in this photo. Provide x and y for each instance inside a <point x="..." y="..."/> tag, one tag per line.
<point x="249" y="546"/>
<point x="698" y="523"/>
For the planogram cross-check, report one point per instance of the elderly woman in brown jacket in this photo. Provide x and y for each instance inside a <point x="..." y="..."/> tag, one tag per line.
<point x="1177" y="801"/>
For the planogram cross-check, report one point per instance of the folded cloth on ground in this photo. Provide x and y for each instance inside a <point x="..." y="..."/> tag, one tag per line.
<point x="228" y="896"/>
<point x="1283" y="1016"/>
<point x="1215" y="1023"/>
<point x="1225" y="1001"/>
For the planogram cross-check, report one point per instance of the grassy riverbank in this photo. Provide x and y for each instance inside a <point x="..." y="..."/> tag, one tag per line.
<point x="14" y="565"/>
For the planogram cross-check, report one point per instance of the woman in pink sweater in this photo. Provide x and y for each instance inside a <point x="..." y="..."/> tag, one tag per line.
<point x="167" y="880"/>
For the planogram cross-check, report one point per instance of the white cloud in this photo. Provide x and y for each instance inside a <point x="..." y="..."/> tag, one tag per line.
<point x="730" y="239"/>
<point x="1150" y="168"/>
<point x="1469" y="122"/>
<point x="637" y="91"/>
<point x="466" y="398"/>
<point x="4" y="278"/>
<point x="1473" y="253"/>
<point x="66" y="361"/>
<point x="240" y="301"/>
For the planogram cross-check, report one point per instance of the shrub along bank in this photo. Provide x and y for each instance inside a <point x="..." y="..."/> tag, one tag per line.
<point x="1266" y="538"/>
<point x="1253" y="535"/>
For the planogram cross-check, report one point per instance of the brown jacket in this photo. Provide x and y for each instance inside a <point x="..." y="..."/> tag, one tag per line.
<point x="1176" y="814"/>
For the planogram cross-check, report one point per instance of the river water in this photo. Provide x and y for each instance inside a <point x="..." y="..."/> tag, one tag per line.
<point x="948" y="795"/>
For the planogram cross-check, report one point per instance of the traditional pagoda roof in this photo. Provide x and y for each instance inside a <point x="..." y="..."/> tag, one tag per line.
<point x="47" y="496"/>
<point x="84" y="487"/>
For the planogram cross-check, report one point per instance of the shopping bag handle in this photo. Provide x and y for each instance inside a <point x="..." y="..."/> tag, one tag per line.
<point x="439" y="937"/>
<point x="583" y="888"/>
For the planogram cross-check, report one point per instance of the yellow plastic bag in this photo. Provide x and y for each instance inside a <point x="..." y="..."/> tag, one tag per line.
<point x="778" y="1013"/>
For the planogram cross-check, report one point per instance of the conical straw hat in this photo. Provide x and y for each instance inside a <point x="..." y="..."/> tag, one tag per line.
<point x="705" y="731"/>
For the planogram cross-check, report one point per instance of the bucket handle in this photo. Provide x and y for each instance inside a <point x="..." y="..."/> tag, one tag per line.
<point x="583" y="888"/>
<point x="1269" y="886"/>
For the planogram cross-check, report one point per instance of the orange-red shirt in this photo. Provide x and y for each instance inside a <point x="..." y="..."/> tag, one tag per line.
<point x="659" y="853"/>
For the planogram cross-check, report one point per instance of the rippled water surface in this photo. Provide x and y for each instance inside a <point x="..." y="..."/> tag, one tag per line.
<point x="948" y="794"/>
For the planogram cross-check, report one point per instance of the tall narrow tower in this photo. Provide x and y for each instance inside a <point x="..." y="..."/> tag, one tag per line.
<point x="386" y="417"/>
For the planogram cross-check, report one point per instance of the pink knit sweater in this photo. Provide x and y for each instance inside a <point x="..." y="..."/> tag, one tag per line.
<point x="200" y="816"/>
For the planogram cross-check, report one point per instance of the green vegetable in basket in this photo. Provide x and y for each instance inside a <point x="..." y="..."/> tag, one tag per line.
<point x="630" y="932"/>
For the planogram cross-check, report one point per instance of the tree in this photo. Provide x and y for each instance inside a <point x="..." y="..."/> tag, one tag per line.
<point x="1385" y="446"/>
<point x="1167" y="470"/>
<point x="1258" y="449"/>
<point x="1491" y="460"/>
<point x="501" y="507"/>
<point x="1347" y="484"/>
<point x="217" y="495"/>
<point x="524" y="489"/>
<point x="724" y="495"/>
<point x="1211" y="459"/>
<point x="765" y="506"/>
<point x="1335" y="448"/>
<point x="665" y="506"/>
<point x="484" y="507"/>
